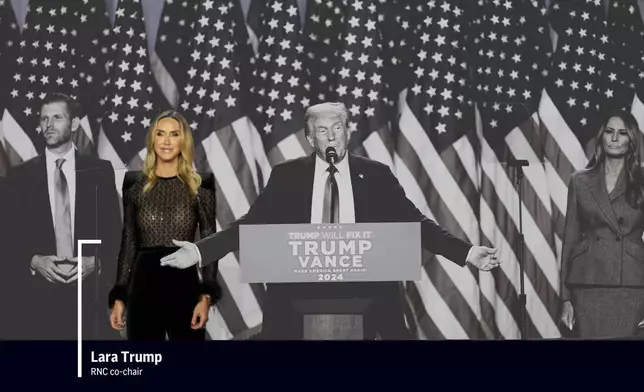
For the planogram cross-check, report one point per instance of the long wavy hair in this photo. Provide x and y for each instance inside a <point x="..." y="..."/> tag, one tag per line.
<point x="632" y="160"/>
<point x="185" y="170"/>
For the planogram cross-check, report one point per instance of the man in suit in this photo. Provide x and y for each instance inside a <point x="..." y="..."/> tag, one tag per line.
<point x="64" y="197"/>
<point x="352" y="190"/>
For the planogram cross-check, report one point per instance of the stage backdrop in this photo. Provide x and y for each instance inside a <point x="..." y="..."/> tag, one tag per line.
<point x="444" y="92"/>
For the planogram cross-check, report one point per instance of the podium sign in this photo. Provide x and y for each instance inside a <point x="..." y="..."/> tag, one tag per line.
<point x="357" y="252"/>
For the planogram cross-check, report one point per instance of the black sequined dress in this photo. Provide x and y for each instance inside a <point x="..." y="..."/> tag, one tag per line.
<point x="160" y="300"/>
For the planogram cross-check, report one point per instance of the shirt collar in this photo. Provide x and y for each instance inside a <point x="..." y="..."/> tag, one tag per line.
<point x="70" y="157"/>
<point x="321" y="165"/>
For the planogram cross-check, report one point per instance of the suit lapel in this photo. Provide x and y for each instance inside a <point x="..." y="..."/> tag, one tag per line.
<point x="302" y="212"/>
<point x="42" y="205"/>
<point x="620" y="186"/>
<point x="596" y="183"/>
<point x="358" y="186"/>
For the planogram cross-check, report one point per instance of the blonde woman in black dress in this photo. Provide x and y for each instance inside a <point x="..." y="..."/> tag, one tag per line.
<point x="166" y="201"/>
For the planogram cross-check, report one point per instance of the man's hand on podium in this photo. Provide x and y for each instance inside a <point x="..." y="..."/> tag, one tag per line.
<point x="185" y="257"/>
<point x="484" y="258"/>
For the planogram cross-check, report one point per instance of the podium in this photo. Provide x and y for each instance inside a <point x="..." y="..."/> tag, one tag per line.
<point x="330" y="281"/>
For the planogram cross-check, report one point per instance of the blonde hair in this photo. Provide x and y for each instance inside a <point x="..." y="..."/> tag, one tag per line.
<point x="321" y="109"/>
<point x="185" y="170"/>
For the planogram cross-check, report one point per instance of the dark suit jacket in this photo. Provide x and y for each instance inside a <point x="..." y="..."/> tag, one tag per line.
<point x="602" y="242"/>
<point x="378" y="197"/>
<point x="97" y="216"/>
<point x="8" y="239"/>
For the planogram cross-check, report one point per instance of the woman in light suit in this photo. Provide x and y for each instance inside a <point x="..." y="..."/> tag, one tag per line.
<point x="603" y="252"/>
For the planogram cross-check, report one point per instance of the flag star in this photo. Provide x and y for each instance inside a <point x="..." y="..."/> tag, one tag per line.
<point x="136" y="86"/>
<point x="139" y="69"/>
<point x="134" y="103"/>
<point x="117" y="100"/>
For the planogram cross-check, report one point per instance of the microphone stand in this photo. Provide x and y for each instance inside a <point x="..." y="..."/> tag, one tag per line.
<point x="518" y="164"/>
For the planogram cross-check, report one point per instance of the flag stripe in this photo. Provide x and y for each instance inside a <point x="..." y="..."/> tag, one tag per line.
<point x="427" y="327"/>
<point x="541" y="217"/>
<point x="507" y="289"/>
<point x="453" y="282"/>
<point x="410" y="176"/>
<point x="231" y="198"/>
<point x="506" y="225"/>
<point x="536" y="241"/>
<point x="565" y="140"/>
<point x="240" y="165"/>
<point x="164" y="80"/>
<point x="17" y="138"/>
<point x="227" y="305"/>
<point x="375" y="145"/>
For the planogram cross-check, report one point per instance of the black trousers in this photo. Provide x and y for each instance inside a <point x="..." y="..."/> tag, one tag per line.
<point x="161" y="299"/>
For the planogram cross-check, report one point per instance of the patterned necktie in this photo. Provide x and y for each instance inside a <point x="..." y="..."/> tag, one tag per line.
<point x="331" y="209"/>
<point x="63" y="224"/>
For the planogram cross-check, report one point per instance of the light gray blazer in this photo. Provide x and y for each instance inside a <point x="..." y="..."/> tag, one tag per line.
<point x="602" y="242"/>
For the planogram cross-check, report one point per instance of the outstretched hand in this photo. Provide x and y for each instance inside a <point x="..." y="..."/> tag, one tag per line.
<point x="484" y="258"/>
<point x="185" y="257"/>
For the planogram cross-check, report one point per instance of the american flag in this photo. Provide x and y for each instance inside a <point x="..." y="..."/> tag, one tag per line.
<point x="94" y="48"/>
<point x="512" y="51"/>
<point x="280" y="88"/>
<point x="359" y="81"/>
<point x="49" y="59"/>
<point x="11" y="34"/>
<point x="435" y="162"/>
<point x="626" y="31"/>
<point x="569" y="108"/>
<point x="172" y="47"/>
<point x="8" y="47"/>
<point x="131" y="102"/>
<point x="324" y="20"/>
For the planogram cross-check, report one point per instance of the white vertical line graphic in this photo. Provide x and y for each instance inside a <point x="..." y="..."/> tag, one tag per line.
<point x="80" y="303"/>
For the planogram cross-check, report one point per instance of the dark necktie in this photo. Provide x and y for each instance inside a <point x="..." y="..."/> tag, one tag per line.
<point x="63" y="224"/>
<point x="331" y="209"/>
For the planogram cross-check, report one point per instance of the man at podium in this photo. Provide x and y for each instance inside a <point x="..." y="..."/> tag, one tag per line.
<point x="333" y="186"/>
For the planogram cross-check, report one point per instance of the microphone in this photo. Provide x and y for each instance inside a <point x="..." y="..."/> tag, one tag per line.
<point x="331" y="155"/>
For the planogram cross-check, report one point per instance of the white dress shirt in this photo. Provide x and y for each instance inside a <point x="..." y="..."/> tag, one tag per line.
<point x="345" y="190"/>
<point x="69" y="169"/>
